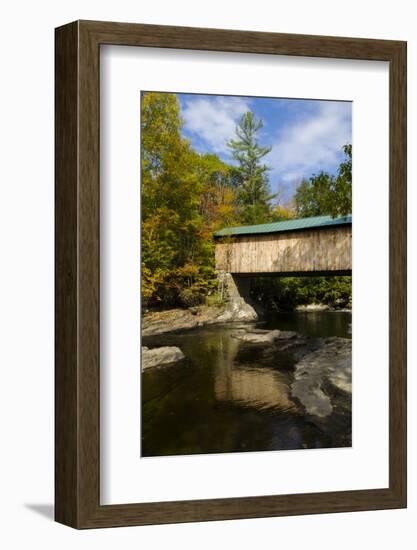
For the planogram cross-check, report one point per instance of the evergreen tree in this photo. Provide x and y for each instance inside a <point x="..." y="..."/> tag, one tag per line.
<point x="252" y="180"/>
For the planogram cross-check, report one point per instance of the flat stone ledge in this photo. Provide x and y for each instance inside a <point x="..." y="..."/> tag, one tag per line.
<point x="157" y="357"/>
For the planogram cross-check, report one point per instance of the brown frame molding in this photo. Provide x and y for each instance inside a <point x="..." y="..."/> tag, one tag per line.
<point x="77" y="361"/>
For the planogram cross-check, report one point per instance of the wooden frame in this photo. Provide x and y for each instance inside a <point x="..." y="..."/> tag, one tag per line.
<point x="77" y="274"/>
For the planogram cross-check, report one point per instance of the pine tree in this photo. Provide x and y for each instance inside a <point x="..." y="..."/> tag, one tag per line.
<point x="252" y="179"/>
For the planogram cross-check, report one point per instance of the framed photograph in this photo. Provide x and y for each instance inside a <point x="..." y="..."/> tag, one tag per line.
<point x="230" y="274"/>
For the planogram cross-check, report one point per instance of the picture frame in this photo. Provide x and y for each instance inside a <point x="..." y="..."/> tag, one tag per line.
<point x="77" y="222"/>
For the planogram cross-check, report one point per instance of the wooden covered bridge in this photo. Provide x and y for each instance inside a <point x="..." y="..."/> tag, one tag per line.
<point x="320" y="245"/>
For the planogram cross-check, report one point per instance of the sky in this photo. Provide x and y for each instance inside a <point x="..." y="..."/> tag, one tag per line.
<point x="306" y="136"/>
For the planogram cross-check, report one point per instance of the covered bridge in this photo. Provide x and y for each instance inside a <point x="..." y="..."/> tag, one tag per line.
<point x="319" y="245"/>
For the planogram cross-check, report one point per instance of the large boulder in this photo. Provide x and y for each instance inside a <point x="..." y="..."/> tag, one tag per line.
<point x="156" y="357"/>
<point x="324" y="373"/>
<point x="237" y="310"/>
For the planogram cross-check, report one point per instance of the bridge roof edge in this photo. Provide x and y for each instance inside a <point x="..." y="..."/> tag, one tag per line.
<point x="316" y="222"/>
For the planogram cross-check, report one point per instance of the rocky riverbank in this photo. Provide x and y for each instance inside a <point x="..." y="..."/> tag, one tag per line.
<point x="322" y="375"/>
<point x="323" y="370"/>
<point x="174" y="320"/>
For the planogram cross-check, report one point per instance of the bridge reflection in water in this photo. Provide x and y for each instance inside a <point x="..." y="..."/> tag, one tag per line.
<point x="227" y="396"/>
<point x="259" y="387"/>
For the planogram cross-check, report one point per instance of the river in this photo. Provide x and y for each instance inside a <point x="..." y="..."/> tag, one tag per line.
<point x="226" y="396"/>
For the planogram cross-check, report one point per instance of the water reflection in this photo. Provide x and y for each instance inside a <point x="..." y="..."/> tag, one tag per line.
<point x="227" y="396"/>
<point x="259" y="388"/>
<point x="249" y="386"/>
<point x="313" y="323"/>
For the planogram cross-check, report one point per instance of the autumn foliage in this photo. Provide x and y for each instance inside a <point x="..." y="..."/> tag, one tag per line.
<point x="186" y="196"/>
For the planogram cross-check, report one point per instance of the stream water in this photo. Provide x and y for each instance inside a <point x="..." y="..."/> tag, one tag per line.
<point x="228" y="396"/>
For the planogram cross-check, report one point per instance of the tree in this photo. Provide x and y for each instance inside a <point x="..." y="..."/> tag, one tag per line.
<point x="313" y="196"/>
<point x="324" y="194"/>
<point x="218" y="198"/>
<point x="171" y="188"/>
<point x="252" y="180"/>
<point x="341" y="205"/>
<point x="185" y="197"/>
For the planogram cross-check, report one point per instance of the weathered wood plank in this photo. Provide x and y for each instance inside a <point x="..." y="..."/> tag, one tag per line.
<point x="292" y="252"/>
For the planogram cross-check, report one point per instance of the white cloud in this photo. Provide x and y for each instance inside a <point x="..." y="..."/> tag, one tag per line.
<point x="311" y="144"/>
<point x="309" y="140"/>
<point x="214" y="119"/>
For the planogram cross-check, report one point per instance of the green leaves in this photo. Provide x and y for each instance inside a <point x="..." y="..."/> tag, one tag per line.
<point x="185" y="197"/>
<point x="285" y="293"/>
<point x="324" y="194"/>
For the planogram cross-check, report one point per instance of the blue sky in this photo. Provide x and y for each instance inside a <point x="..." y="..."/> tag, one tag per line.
<point x="306" y="136"/>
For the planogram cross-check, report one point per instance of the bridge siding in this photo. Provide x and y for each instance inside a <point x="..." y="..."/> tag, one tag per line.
<point x="305" y="251"/>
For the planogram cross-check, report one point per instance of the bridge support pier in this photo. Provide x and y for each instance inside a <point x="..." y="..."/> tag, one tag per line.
<point x="235" y="290"/>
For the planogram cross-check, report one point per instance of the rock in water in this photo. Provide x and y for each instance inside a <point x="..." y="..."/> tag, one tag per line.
<point x="160" y="356"/>
<point x="330" y="365"/>
<point x="257" y="336"/>
<point x="313" y="307"/>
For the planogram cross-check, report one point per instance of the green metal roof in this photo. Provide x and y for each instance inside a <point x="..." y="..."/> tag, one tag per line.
<point x="287" y="225"/>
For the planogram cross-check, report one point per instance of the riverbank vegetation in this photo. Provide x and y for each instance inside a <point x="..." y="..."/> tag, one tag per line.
<point x="286" y="293"/>
<point x="187" y="195"/>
